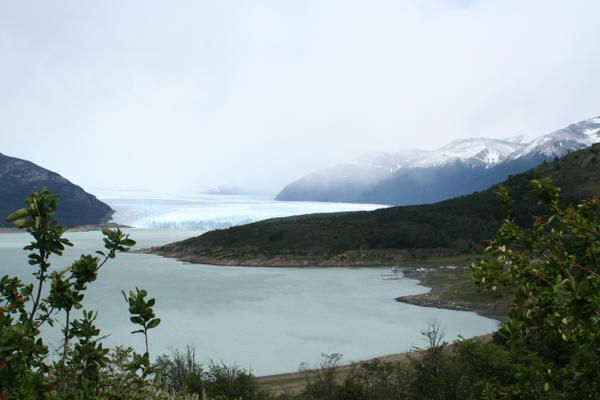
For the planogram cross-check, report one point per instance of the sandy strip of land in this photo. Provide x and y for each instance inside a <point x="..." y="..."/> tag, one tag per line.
<point x="294" y="382"/>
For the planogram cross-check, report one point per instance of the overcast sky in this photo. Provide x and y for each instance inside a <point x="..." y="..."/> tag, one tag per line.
<point x="186" y="96"/>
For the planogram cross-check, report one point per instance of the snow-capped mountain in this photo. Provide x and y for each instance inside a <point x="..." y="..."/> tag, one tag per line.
<point x="475" y="152"/>
<point x="417" y="176"/>
<point x="560" y="142"/>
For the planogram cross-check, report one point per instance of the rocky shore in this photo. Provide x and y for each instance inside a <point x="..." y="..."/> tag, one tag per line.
<point x="453" y="289"/>
<point x="381" y="258"/>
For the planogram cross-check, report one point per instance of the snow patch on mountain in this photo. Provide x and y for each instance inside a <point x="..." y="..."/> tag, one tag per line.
<point x="560" y="142"/>
<point x="483" y="152"/>
<point x="475" y="152"/>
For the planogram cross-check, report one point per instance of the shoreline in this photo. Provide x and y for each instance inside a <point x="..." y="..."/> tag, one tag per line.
<point x="440" y="296"/>
<point x="339" y="261"/>
<point x="294" y="382"/>
<point x="447" y="278"/>
<point x="452" y="289"/>
<point x="80" y="228"/>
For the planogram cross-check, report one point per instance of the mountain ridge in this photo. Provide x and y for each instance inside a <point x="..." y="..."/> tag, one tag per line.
<point x="463" y="166"/>
<point x="19" y="177"/>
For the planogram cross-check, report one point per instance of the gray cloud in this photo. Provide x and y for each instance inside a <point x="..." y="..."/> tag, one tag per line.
<point x="185" y="96"/>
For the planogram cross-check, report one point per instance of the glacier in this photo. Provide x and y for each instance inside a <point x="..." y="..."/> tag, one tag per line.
<point x="204" y="212"/>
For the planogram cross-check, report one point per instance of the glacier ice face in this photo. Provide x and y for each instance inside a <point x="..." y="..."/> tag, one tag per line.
<point x="208" y="211"/>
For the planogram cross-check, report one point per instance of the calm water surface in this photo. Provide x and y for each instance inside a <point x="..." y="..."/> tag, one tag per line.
<point x="267" y="319"/>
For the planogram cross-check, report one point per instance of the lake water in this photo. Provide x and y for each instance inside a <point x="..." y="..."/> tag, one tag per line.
<point x="267" y="319"/>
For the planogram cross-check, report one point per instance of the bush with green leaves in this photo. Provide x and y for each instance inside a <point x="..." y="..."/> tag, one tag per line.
<point x="553" y="269"/>
<point x="26" y="371"/>
<point x="180" y="372"/>
<point x="472" y="369"/>
<point x="142" y="315"/>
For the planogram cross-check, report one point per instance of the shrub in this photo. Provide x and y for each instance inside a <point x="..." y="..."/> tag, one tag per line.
<point x="553" y="270"/>
<point x="182" y="373"/>
<point x="84" y="370"/>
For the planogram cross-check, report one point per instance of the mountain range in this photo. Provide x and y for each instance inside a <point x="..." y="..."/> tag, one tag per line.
<point x="417" y="176"/>
<point x="18" y="178"/>
<point x="394" y="235"/>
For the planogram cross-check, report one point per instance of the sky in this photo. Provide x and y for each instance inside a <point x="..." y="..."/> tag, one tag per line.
<point x="185" y="96"/>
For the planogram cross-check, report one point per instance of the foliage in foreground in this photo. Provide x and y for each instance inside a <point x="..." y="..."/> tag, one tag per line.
<point x="554" y="271"/>
<point x="26" y="370"/>
<point x="82" y="367"/>
<point x="182" y="373"/>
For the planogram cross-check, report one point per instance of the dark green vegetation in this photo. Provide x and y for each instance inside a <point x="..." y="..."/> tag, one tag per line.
<point x="18" y="178"/>
<point x="553" y="268"/>
<point x="389" y="236"/>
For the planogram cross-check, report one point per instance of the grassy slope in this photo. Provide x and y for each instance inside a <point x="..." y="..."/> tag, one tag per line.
<point x="449" y="228"/>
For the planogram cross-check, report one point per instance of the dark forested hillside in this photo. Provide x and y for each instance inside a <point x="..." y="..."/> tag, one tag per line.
<point x="448" y="228"/>
<point x="18" y="178"/>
